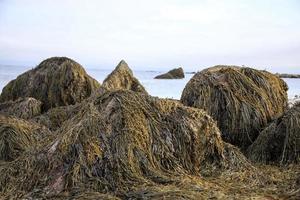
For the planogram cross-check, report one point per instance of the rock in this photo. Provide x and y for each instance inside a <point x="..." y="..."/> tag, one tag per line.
<point x="23" y="107"/>
<point x="57" y="81"/>
<point x="172" y="74"/>
<point x="242" y="100"/>
<point x="279" y="143"/>
<point x="125" y="144"/>
<point x="122" y="78"/>
<point x="294" y="100"/>
<point x="288" y="75"/>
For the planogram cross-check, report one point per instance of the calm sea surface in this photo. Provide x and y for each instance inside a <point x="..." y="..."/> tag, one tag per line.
<point x="155" y="87"/>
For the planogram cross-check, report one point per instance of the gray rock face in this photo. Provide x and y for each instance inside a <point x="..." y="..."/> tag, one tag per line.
<point x="172" y="74"/>
<point x="56" y="81"/>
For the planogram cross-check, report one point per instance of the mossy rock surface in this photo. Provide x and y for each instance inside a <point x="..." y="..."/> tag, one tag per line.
<point x="57" y="81"/>
<point x="123" y="78"/>
<point x="25" y="108"/>
<point x="242" y="100"/>
<point x="176" y="73"/>
<point x="125" y="144"/>
<point x="279" y="143"/>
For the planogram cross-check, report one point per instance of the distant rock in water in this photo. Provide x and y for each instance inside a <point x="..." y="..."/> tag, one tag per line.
<point x="294" y="100"/>
<point x="288" y="75"/>
<point x="122" y="78"/>
<point x="242" y="100"/>
<point x="56" y="81"/>
<point x="172" y="74"/>
<point x="280" y="142"/>
<point x="25" y="108"/>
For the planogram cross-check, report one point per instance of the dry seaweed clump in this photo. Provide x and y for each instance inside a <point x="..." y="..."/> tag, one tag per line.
<point x="18" y="136"/>
<point x="280" y="142"/>
<point x="57" y="81"/>
<point x="122" y="78"/>
<point x="242" y="100"/>
<point x="126" y="145"/>
<point x="25" y="108"/>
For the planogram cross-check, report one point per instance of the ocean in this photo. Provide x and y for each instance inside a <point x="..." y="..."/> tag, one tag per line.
<point x="155" y="87"/>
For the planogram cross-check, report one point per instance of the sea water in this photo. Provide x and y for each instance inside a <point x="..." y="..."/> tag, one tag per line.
<point x="156" y="87"/>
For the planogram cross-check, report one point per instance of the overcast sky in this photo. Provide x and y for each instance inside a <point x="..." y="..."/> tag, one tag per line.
<point x="152" y="34"/>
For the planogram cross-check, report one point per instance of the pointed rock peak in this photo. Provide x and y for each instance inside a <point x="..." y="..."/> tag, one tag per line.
<point x="122" y="78"/>
<point x="122" y="65"/>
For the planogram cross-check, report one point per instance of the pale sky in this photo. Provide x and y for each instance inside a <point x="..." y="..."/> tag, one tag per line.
<point x="153" y="34"/>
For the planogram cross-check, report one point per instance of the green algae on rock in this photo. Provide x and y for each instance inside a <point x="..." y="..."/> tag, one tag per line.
<point x="57" y="81"/>
<point x="242" y="100"/>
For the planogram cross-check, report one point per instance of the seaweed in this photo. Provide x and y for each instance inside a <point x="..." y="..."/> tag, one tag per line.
<point x="57" y="81"/>
<point x="242" y="100"/>
<point x="120" y="141"/>
<point x="25" y="108"/>
<point x="122" y="78"/>
<point x="279" y="143"/>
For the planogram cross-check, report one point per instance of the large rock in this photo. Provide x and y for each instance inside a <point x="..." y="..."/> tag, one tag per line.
<point x="128" y="145"/>
<point x="57" y="81"/>
<point x="25" y="108"/>
<point x="242" y="100"/>
<point x="172" y="74"/>
<point x="280" y="142"/>
<point x="122" y="78"/>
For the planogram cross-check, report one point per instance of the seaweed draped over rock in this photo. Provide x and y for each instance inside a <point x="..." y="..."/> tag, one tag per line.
<point x="55" y="117"/>
<point x="56" y="81"/>
<point x="25" y="108"/>
<point x="280" y="141"/>
<point x="126" y="144"/>
<point x="242" y="100"/>
<point x="18" y="136"/>
<point x="122" y="78"/>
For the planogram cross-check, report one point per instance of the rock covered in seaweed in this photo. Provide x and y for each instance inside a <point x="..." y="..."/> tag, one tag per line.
<point x="280" y="141"/>
<point x="56" y="81"/>
<point x="55" y="117"/>
<point x="25" y="108"/>
<point x="242" y="100"/>
<point x="122" y="78"/>
<point x="176" y="73"/>
<point x="121" y="143"/>
<point x="18" y="136"/>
